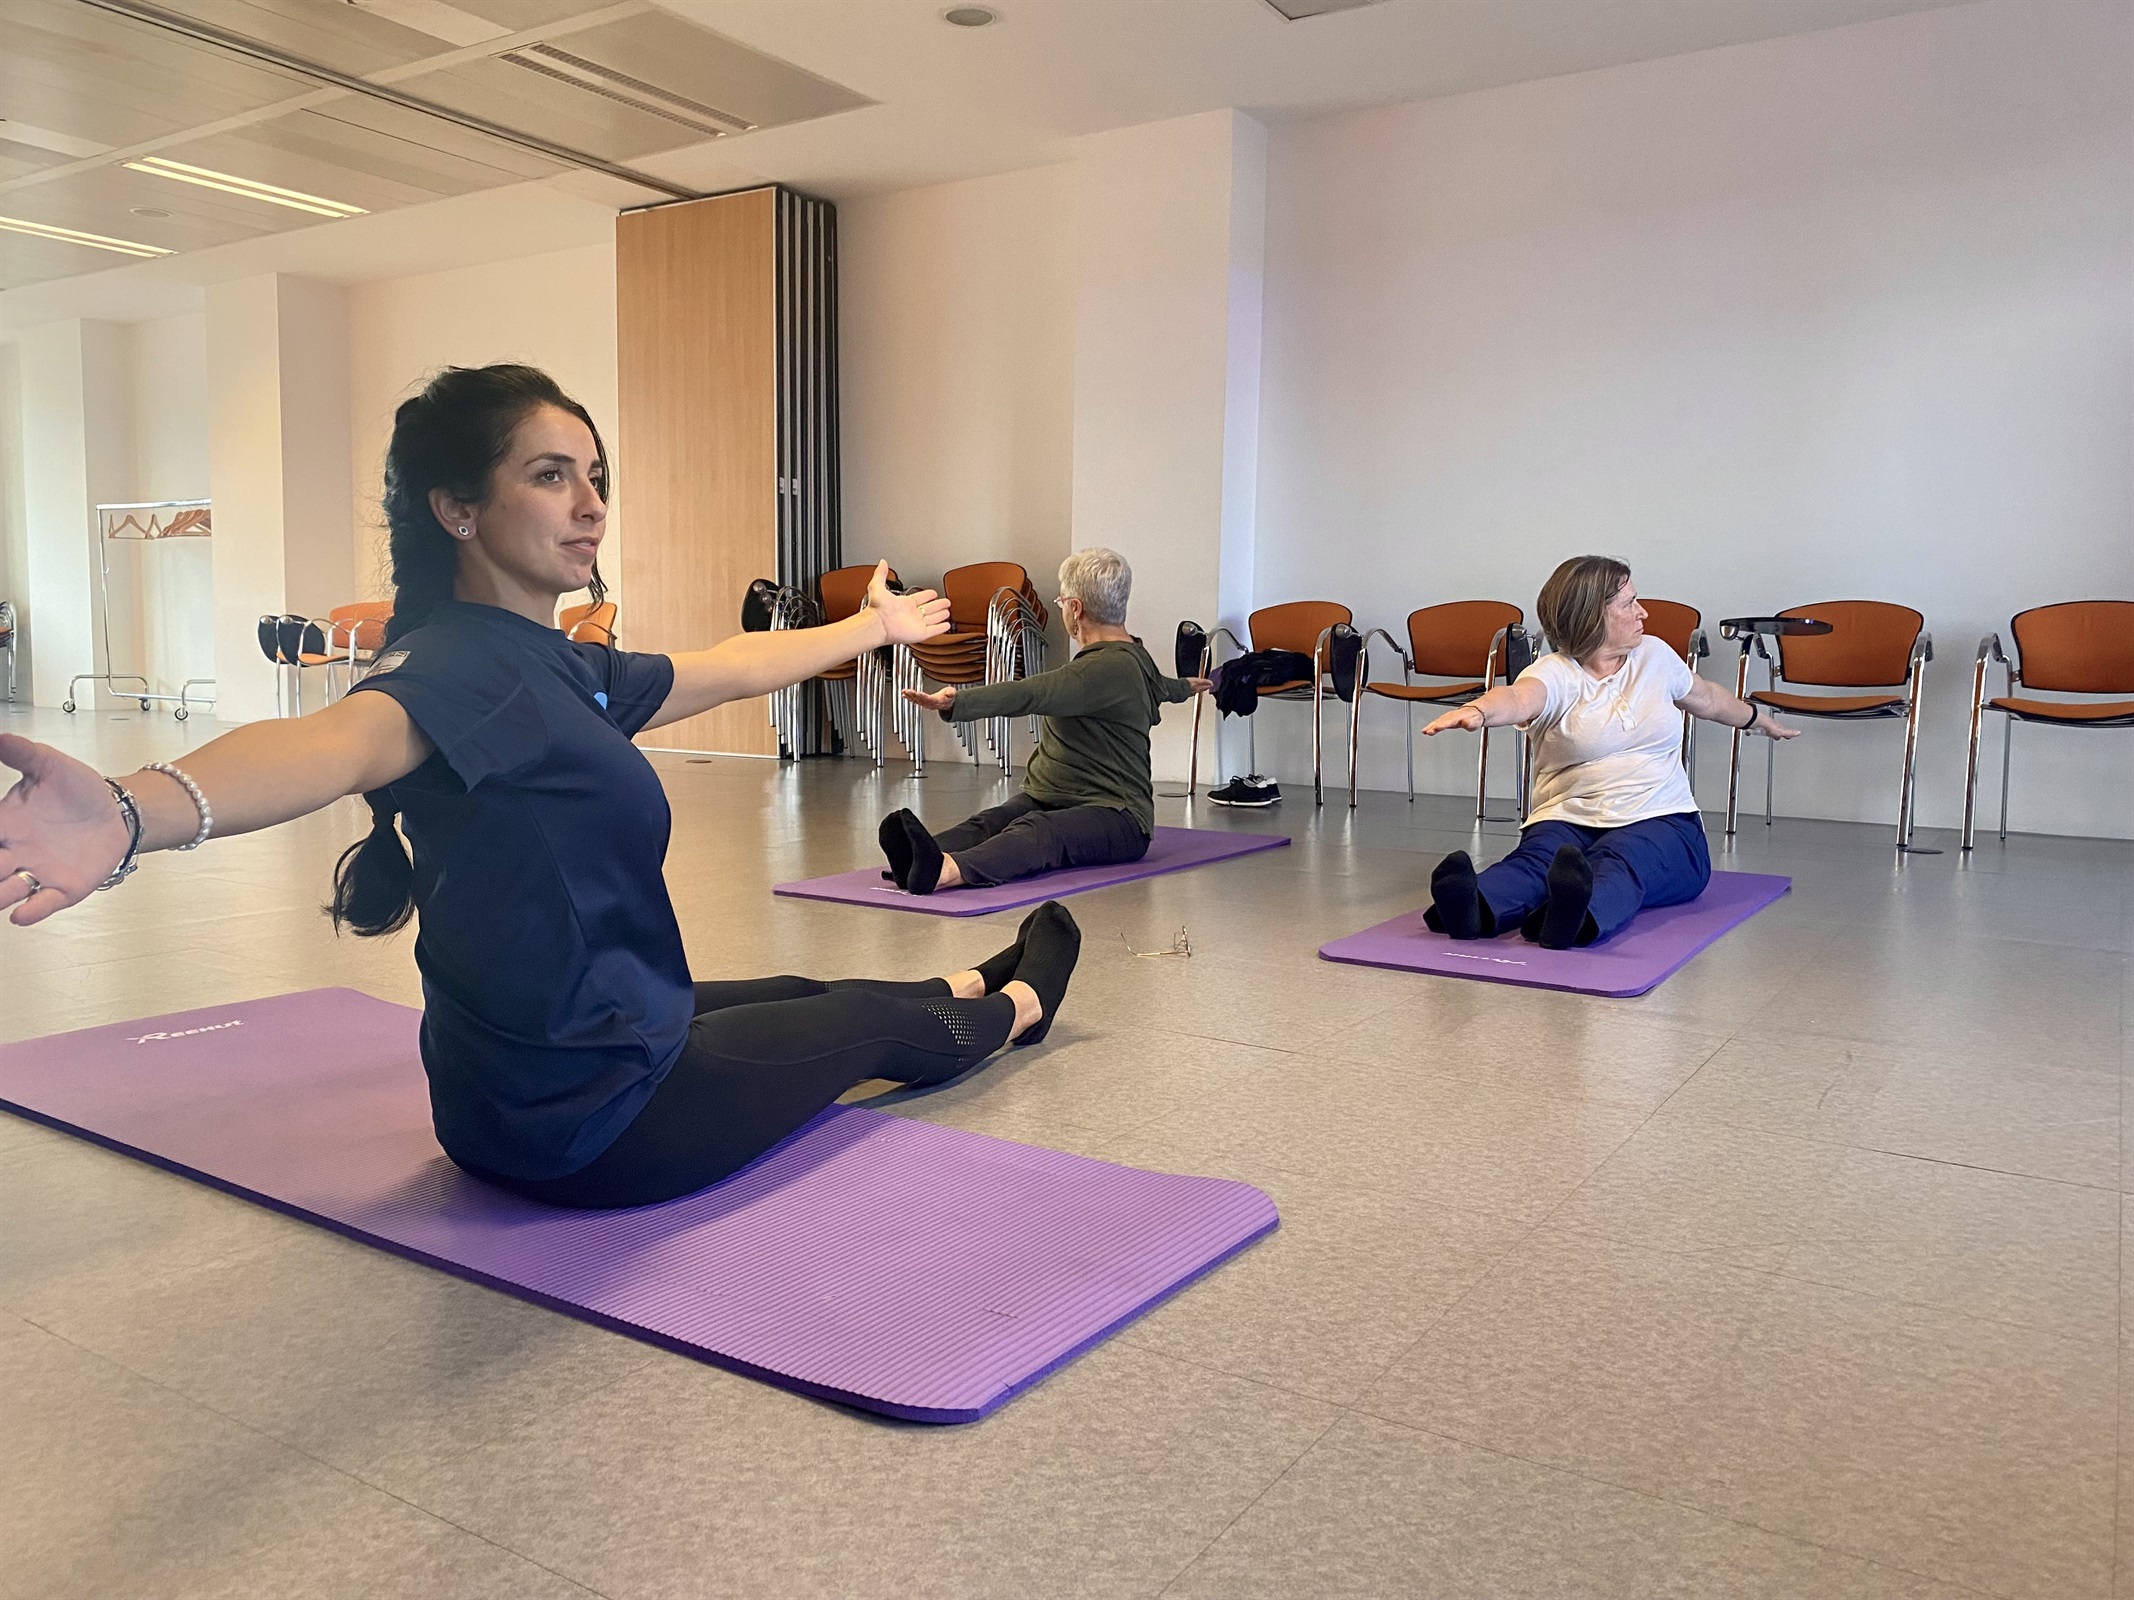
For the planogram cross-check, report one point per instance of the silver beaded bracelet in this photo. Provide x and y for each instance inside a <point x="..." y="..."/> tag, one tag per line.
<point x="207" y="817"/>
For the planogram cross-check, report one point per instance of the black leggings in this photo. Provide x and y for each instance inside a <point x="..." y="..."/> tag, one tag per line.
<point x="764" y="1056"/>
<point x="1025" y="837"/>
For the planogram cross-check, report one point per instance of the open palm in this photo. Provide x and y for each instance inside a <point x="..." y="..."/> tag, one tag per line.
<point x="59" y="825"/>
<point x="906" y="618"/>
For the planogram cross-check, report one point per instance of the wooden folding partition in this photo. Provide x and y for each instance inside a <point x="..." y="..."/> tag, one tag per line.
<point x="727" y="450"/>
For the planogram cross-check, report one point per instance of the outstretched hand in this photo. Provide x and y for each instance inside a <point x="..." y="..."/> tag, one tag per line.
<point x="1467" y="716"/>
<point x="61" y="833"/>
<point x="940" y="700"/>
<point x="1201" y="685"/>
<point x="906" y="618"/>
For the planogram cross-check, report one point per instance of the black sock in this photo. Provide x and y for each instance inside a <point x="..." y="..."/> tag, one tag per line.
<point x="1051" y="944"/>
<point x="1455" y="902"/>
<point x="998" y="969"/>
<point x="896" y="846"/>
<point x="923" y="869"/>
<point x="1563" y="920"/>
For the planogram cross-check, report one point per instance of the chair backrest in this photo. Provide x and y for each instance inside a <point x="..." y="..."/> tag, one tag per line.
<point x="7" y="624"/>
<point x="1295" y="625"/>
<point x="361" y="623"/>
<point x="970" y="591"/>
<point x="1671" y="622"/>
<point x="1452" y="640"/>
<point x="589" y="624"/>
<point x="1869" y="645"/>
<point x="843" y="591"/>
<point x="298" y="637"/>
<point x="2077" y="647"/>
<point x="270" y="639"/>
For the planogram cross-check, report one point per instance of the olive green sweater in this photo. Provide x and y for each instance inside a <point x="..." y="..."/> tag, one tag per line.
<point x="1098" y="710"/>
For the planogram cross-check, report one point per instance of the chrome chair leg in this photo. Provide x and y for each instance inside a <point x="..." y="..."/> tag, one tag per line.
<point x="1978" y="716"/>
<point x="1770" y="750"/>
<point x="1407" y="717"/>
<point x="1733" y="759"/>
<point x="2007" y="749"/>
<point x="1482" y="776"/>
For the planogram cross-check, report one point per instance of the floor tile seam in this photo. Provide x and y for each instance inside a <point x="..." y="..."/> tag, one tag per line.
<point x="2048" y="1330"/>
<point x="275" y="1440"/>
<point x="1245" y="1510"/>
<point x="1834" y="1143"/>
<point x="1423" y="1332"/>
<point x="1643" y="1493"/>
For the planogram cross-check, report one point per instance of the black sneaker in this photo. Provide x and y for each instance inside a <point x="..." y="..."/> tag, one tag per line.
<point x="1249" y="791"/>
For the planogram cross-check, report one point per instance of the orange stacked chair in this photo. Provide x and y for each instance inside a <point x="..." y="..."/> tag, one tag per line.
<point x="1872" y="645"/>
<point x="2081" y="647"/>
<point x="1463" y="640"/>
<point x="996" y="633"/>
<point x="855" y="689"/>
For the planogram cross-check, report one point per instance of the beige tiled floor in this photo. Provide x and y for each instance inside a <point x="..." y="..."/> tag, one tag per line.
<point x="1803" y="1276"/>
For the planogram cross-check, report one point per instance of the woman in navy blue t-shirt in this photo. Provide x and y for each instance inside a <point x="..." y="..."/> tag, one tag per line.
<point x="570" y="1057"/>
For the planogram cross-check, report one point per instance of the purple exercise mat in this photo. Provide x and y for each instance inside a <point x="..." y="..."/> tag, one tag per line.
<point x="1171" y="850"/>
<point x="1654" y="945"/>
<point x="914" y="1270"/>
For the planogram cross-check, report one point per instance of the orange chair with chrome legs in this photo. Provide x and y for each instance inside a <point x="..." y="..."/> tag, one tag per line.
<point x="1465" y="640"/>
<point x="1839" y="644"/>
<point x="1681" y="629"/>
<point x="2083" y="647"/>
<point x="858" y="720"/>
<point x="1307" y="628"/>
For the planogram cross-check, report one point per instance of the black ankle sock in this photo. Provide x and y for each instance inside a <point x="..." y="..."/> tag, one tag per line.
<point x="1563" y="920"/>
<point x="896" y="846"/>
<point x="922" y="865"/>
<point x="1455" y="902"/>
<point x="998" y="969"/>
<point x="1051" y="944"/>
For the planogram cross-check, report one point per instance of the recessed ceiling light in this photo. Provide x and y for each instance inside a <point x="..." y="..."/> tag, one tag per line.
<point x="95" y="241"/>
<point x="969" y="16"/>
<point x="148" y="211"/>
<point x="250" y="188"/>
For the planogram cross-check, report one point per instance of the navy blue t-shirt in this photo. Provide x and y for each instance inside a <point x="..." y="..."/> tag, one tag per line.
<point x="556" y="994"/>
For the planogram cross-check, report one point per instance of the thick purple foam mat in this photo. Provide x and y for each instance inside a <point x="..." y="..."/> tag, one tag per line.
<point x="1171" y="850"/>
<point x="1655" y="945"/>
<point x="909" y="1269"/>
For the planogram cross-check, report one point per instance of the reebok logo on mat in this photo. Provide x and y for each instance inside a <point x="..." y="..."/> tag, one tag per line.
<point x="1501" y="961"/>
<point x="187" y="1033"/>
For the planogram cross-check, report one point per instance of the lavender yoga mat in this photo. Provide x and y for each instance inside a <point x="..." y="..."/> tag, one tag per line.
<point x="914" y="1270"/>
<point x="1171" y="850"/>
<point x="1655" y="944"/>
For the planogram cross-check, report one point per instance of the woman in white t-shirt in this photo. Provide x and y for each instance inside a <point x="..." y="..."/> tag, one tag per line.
<point x="1614" y="827"/>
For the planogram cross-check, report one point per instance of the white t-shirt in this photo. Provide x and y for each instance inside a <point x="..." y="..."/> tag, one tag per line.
<point x="1608" y="751"/>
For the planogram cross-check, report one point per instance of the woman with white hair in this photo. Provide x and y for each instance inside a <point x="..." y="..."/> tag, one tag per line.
<point x="1087" y="798"/>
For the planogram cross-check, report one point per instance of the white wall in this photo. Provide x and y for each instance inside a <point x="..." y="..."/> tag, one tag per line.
<point x="1170" y="238"/>
<point x="163" y="595"/>
<point x="556" y="312"/>
<point x="1840" y="315"/>
<point x="956" y="376"/>
<point x="14" y="515"/>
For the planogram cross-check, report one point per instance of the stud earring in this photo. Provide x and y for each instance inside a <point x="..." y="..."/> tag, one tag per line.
<point x="465" y="532"/>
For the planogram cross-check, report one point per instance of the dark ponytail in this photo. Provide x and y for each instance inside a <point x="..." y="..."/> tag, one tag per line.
<point x="452" y="436"/>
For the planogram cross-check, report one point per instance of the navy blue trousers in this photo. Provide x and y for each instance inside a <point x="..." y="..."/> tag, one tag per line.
<point x="1661" y="861"/>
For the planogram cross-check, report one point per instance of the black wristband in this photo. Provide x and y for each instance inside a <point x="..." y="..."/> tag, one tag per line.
<point x="1755" y="711"/>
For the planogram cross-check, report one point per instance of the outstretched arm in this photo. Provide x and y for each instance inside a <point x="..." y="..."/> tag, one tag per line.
<point x="1714" y="704"/>
<point x="61" y="825"/>
<point x="1508" y="705"/>
<point x="750" y="664"/>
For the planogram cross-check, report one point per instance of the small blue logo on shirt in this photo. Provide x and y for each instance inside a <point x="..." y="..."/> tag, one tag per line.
<point x="601" y="695"/>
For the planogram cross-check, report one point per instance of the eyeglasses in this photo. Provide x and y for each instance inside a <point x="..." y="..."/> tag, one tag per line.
<point x="1180" y="946"/>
